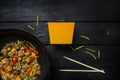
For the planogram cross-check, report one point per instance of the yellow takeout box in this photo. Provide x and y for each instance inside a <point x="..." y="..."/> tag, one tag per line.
<point x="61" y="32"/>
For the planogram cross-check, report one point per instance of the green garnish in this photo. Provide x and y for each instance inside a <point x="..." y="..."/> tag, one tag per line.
<point x="29" y="78"/>
<point x="32" y="70"/>
<point x="79" y="47"/>
<point x="26" y="76"/>
<point x="91" y="54"/>
<point x="37" y="18"/>
<point x="72" y="48"/>
<point x="98" y="54"/>
<point x="85" y="37"/>
<point x="1" y="57"/>
<point x="31" y="45"/>
<point x="32" y="28"/>
<point x="90" y="50"/>
<point x="19" y="65"/>
<point x="22" y="43"/>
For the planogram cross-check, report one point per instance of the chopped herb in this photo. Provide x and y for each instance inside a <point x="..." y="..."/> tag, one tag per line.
<point x="72" y="48"/>
<point x="90" y="50"/>
<point x="98" y="54"/>
<point x="79" y="47"/>
<point x="26" y="76"/>
<point x="22" y="43"/>
<point x="32" y="28"/>
<point x="29" y="78"/>
<point x="31" y="45"/>
<point x="19" y="65"/>
<point x="19" y="42"/>
<point x="91" y="54"/>
<point x="1" y="57"/>
<point x="37" y="18"/>
<point x="32" y="70"/>
<point x="85" y="37"/>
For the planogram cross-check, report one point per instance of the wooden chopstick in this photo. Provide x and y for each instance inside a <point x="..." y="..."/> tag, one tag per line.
<point x="98" y="70"/>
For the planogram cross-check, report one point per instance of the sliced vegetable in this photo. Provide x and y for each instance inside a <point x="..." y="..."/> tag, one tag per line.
<point x="79" y="47"/>
<point x="27" y="77"/>
<point x="32" y="28"/>
<point x="28" y="70"/>
<point x="19" y="42"/>
<point x="91" y="54"/>
<point x="8" y="68"/>
<point x="1" y="57"/>
<point x="32" y="71"/>
<point x="31" y="49"/>
<point x="25" y="50"/>
<point x="8" y="46"/>
<point x="22" y="43"/>
<point x="85" y="37"/>
<point x="37" y="18"/>
<point x="98" y="54"/>
<point x="24" y="75"/>
<point x="36" y="52"/>
<point x="90" y="50"/>
<point x="18" y="77"/>
<point x="19" y="60"/>
<point x="28" y="60"/>
<point x="14" y="60"/>
<point x="72" y="48"/>
<point x="19" y="65"/>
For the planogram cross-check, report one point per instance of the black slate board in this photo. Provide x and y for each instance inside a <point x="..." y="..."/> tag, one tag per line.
<point x="54" y="10"/>
<point x="93" y="18"/>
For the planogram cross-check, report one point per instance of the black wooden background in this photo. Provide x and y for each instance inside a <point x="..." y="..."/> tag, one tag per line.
<point x="94" y="18"/>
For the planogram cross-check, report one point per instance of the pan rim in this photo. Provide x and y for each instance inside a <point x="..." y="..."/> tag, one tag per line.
<point x="39" y="43"/>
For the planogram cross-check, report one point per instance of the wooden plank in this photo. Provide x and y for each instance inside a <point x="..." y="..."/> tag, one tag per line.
<point x="112" y="74"/>
<point x="109" y="56"/>
<point x="55" y="10"/>
<point x="41" y="31"/>
<point x="96" y="31"/>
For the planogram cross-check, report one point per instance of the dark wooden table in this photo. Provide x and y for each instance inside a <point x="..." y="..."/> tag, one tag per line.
<point x="93" y="18"/>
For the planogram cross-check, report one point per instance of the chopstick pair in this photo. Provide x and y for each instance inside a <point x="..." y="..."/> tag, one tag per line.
<point x="70" y="70"/>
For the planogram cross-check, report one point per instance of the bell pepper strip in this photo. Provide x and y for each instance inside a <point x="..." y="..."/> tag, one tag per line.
<point x="1" y="57"/>
<point x="8" y="46"/>
<point x="32" y="71"/>
<point x="36" y="52"/>
<point x="28" y="70"/>
<point x="26" y="76"/>
<point x="30" y="49"/>
<point x="19" y="42"/>
<point x="25" y="50"/>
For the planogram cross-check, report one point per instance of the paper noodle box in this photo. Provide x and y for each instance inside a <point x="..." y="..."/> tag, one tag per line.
<point x="61" y="32"/>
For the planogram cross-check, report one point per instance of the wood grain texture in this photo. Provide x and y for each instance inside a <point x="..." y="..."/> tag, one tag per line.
<point x="54" y="10"/>
<point x="109" y="61"/>
<point x="95" y="19"/>
<point x="111" y="75"/>
<point x="96" y="31"/>
<point x="109" y="56"/>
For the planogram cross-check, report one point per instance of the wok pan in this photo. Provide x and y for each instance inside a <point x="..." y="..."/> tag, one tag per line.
<point x="9" y="35"/>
